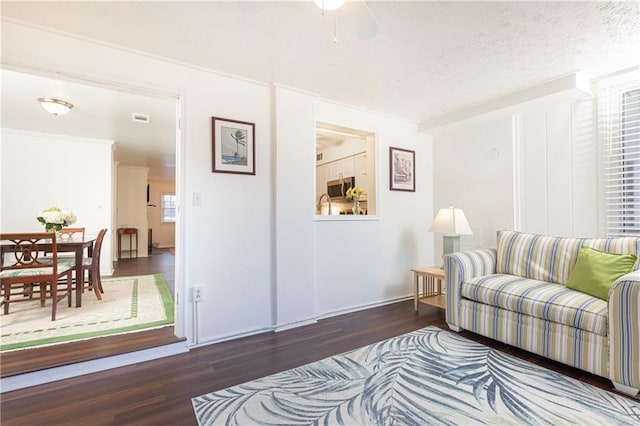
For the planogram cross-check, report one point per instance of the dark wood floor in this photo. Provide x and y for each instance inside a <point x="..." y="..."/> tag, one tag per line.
<point x="159" y="392"/>
<point x="158" y="262"/>
<point x="24" y="361"/>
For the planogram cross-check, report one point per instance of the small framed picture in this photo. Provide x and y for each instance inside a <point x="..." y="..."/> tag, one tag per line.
<point x="402" y="169"/>
<point x="233" y="146"/>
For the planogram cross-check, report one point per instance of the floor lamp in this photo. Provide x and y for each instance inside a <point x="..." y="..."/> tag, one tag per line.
<point x="452" y="223"/>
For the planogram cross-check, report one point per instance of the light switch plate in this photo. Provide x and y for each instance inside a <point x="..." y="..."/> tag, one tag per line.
<point x="197" y="199"/>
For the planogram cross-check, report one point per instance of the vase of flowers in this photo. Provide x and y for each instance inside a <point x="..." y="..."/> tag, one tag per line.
<point x="355" y="193"/>
<point x="54" y="219"/>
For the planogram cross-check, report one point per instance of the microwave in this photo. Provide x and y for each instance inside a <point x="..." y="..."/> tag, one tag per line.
<point x="337" y="189"/>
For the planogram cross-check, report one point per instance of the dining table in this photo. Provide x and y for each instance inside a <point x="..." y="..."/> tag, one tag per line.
<point x="76" y="244"/>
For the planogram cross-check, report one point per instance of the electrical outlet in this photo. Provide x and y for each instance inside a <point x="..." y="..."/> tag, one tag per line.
<point x="197" y="294"/>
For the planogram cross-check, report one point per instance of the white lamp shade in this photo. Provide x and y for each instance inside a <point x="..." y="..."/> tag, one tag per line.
<point x="329" y="4"/>
<point x="451" y="221"/>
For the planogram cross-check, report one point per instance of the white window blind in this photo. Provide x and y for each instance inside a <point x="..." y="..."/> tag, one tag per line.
<point x="619" y="131"/>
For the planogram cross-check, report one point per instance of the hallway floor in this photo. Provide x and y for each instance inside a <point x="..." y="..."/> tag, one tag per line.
<point x="28" y="360"/>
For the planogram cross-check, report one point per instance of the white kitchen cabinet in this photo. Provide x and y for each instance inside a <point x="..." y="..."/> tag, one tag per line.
<point x="348" y="167"/>
<point x="360" y="164"/>
<point x="342" y="168"/>
<point x="363" y="178"/>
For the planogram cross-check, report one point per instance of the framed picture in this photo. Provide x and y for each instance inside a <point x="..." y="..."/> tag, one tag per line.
<point x="402" y="169"/>
<point x="234" y="146"/>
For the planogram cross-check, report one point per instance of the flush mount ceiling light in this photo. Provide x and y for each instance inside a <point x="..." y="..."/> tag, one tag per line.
<point x="55" y="106"/>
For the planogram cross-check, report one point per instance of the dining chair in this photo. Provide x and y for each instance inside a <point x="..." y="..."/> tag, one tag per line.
<point x="66" y="234"/>
<point x="70" y="233"/>
<point x="91" y="267"/>
<point x="24" y="266"/>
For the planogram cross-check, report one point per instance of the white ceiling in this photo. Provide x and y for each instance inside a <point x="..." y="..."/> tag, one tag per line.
<point x="429" y="59"/>
<point x="97" y="113"/>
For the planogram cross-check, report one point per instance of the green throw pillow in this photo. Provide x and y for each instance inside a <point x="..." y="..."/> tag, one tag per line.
<point x="596" y="271"/>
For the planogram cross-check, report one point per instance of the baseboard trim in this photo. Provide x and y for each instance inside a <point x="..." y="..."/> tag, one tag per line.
<point x="308" y="321"/>
<point x="21" y="381"/>
<point x="342" y="311"/>
<point x="357" y="308"/>
<point x="296" y="324"/>
<point x="228" y="337"/>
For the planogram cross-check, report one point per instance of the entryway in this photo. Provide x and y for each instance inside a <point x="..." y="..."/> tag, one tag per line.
<point x="160" y="262"/>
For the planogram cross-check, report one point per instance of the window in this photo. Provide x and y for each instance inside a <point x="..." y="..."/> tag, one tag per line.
<point x="619" y="124"/>
<point x="168" y="208"/>
<point x="345" y="158"/>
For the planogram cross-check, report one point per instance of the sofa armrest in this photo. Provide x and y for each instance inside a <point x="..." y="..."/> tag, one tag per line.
<point x="461" y="266"/>
<point x="624" y="331"/>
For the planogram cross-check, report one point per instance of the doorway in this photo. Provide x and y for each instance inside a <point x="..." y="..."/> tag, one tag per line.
<point x="21" y="88"/>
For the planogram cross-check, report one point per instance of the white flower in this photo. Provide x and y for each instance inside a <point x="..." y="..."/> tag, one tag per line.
<point x="62" y="217"/>
<point x="55" y="218"/>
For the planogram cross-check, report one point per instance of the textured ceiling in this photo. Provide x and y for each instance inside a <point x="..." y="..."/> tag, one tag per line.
<point x="429" y="59"/>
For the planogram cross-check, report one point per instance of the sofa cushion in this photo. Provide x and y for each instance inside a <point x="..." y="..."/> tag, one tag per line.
<point x="551" y="259"/>
<point x="552" y="302"/>
<point x="596" y="271"/>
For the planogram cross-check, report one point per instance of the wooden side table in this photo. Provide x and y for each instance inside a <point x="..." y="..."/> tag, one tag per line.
<point x="131" y="232"/>
<point x="432" y="287"/>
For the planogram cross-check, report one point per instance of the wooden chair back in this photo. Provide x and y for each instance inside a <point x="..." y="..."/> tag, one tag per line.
<point x="97" y="246"/>
<point x="27" y="250"/>
<point x="69" y="233"/>
<point x="23" y="266"/>
<point x="92" y="266"/>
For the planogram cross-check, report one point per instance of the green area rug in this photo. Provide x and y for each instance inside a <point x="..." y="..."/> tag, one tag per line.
<point x="128" y="304"/>
<point x="427" y="377"/>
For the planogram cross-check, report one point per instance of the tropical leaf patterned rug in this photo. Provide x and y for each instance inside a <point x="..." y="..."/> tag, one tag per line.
<point x="128" y="304"/>
<point x="426" y="377"/>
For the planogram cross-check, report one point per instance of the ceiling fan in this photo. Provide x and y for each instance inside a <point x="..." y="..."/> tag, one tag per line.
<point x="356" y="12"/>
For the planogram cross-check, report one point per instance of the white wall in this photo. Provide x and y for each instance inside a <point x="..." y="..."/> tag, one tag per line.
<point x="225" y="244"/>
<point x="164" y="234"/>
<point x="131" y="209"/>
<point x="531" y="167"/>
<point x="473" y="170"/>
<point x="253" y="244"/>
<point x="40" y="170"/>
<point x="325" y="267"/>
<point x="558" y="168"/>
<point x="364" y="261"/>
<point x="295" y="206"/>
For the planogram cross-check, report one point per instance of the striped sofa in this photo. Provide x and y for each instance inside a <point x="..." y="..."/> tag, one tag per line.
<point x="516" y="294"/>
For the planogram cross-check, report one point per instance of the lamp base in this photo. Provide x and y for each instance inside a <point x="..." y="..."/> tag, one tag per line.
<point x="450" y="244"/>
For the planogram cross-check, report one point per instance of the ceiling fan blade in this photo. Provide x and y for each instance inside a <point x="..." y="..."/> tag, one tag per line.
<point x="361" y="18"/>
